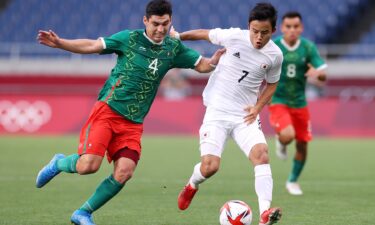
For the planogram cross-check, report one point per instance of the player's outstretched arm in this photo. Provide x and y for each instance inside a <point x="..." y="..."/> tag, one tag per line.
<point x="191" y="35"/>
<point x="82" y="46"/>
<point x="206" y="65"/>
<point x="264" y="98"/>
<point x="320" y="75"/>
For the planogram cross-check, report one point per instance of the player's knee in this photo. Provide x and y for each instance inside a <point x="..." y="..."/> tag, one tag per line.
<point x="123" y="174"/>
<point x="209" y="168"/>
<point x="287" y="136"/>
<point x="87" y="168"/>
<point x="259" y="154"/>
<point x="88" y="164"/>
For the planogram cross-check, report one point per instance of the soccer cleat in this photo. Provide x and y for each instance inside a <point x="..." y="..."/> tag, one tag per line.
<point x="293" y="188"/>
<point x="281" y="152"/>
<point x="82" y="217"/>
<point x="186" y="196"/>
<point x="48" y="172"/>
<point x="270" y="216"/>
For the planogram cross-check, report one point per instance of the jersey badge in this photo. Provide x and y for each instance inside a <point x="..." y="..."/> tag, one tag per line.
<point x="142" y="48"/>
<point x="264" y="66"/>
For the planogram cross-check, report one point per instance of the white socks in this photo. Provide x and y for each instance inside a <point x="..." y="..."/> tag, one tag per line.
<point x="197" y="177"/>
<point x="263" y="186"/>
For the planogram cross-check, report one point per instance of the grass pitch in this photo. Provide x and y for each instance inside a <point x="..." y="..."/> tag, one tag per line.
<point x="338" y="182"/>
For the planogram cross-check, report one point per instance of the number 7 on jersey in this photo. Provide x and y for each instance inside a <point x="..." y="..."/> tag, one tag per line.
<point x="245" y="74"/>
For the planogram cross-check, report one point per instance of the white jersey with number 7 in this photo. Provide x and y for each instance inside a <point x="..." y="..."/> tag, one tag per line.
<point x="237" y="78"/>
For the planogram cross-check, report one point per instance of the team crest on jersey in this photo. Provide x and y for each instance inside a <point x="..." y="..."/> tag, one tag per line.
<point x="264" y="66"/>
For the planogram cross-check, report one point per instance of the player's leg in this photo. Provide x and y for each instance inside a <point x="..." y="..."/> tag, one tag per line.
<point x="125" y="163"/>
<point x="208" y="166"/>
<point x="252" y="142"/>
<point x="281" y="121"/>
<point x="212" y="139"/>
<point x="93" y="140"/>
<point x="124" y="149"/>
<point x="301" y="121"/>
<point x="264" y="184"/>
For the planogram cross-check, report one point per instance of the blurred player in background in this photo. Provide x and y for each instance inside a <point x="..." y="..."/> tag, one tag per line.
<point x="115" y="125"/>
<point x="289" y="114"/>
<point x="233" y="106"/>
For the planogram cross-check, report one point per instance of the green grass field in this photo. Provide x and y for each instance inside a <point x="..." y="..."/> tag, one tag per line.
<point x="338" y="181"/>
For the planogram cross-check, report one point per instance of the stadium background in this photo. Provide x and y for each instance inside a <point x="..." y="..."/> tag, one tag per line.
<point x="46" y="95"/>
<point x="49" y="91"/>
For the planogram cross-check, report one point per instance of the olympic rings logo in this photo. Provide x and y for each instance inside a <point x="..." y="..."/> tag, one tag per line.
<point x="24" y="116"/>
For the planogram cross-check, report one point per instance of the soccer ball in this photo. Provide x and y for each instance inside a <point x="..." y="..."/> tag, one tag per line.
<point x="235" y="212"/>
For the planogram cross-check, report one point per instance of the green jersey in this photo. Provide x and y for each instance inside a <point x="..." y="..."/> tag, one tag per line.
<point x="141" y="65"/>
<point x="291" y="87"/>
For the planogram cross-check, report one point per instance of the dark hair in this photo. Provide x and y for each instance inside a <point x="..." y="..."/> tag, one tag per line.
<point x="292" y="14"/>
<point x="264" y="11"/>
<point x="158" y="8"/>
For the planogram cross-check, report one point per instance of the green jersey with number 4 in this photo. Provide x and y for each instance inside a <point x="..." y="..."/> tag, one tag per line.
<point x="141" y="65"/>
<point x="291" y="87"/>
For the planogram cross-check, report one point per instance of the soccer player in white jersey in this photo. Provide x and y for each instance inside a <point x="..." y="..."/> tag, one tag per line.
<point x="233" y="102"/>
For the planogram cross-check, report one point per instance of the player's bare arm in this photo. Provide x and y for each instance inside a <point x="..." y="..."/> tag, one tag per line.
<point x="264" y="98"/>
<point x="316" y="73"/>
<point x="206" y="65"/>
<point x="82" y="46"/>
<point x="191" y="35"/>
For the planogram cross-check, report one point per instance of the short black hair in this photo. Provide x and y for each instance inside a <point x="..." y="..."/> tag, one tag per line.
<point x="264" y="11"/>
<point x="292" y="14"/>
<point x="158" y="8"/>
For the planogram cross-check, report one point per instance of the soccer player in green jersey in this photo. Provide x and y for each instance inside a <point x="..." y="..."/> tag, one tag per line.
<point x="115" y="125"/>
<point x="289" y="114"/>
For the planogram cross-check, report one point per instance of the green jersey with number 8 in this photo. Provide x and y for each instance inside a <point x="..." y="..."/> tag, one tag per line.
<point x="141" y="65"/>
<point x="291" y="88"/>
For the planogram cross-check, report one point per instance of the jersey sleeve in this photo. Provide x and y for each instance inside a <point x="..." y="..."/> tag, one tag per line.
<point x="220" y="36"/>
<point x="273" y="75"/>
<point x="186" y="57"/>
<point x="315" y="59"/>
<point x="115" y="43"/>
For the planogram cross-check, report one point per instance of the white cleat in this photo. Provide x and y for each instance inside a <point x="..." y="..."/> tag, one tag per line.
<point x="293" y="188"/>
<point x="281" y="152"/>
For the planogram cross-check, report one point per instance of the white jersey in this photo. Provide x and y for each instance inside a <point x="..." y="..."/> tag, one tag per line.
<point x="237" y="78"/>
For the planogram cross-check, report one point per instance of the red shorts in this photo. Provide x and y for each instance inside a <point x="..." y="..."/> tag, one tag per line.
<point x="106" y="130"/>
<point x="282" y="116"/>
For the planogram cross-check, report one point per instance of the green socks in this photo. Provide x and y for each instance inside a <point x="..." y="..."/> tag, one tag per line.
<point x="68" y="164"/>
<point x="104" y="192"/>
<point x="296" y="170"/>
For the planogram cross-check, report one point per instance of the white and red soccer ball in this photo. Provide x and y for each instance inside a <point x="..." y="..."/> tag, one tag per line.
<point x="235" y="212"/>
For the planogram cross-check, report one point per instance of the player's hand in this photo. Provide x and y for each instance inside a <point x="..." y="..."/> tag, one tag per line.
<point x="214" y="60"/>
<point x="48" y="38"/>
<point x="252" y="113"/>
<point x="314" y="73"/>
<point x="173" y="33"/>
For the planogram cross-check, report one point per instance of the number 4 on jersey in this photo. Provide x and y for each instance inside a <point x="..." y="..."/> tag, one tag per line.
<point x="154" y="66"/>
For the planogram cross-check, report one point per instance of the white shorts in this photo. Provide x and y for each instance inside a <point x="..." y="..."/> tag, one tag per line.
<point x="218" y="126"/>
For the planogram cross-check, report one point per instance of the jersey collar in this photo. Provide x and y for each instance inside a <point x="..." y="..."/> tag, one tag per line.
<point x="291" y="48"/>
<point x="153" y="42"/>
